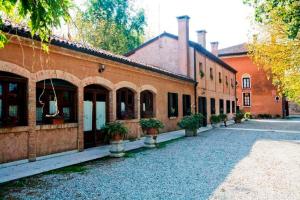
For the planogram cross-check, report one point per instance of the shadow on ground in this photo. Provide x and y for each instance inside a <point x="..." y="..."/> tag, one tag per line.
<point x="192" y="168"/>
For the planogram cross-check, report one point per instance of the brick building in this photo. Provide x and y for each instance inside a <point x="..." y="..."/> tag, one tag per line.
<point x="215" y="90"/>
<point x="56" y="102"/>
<point x="255" y="93"/>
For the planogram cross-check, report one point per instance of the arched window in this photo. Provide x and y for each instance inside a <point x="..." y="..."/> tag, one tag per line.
<point x="125" y="104"/>
<point x="220" y="77"/>
<point x="246" y="81"/>
<point x="13" y="100"/>
<point x="146" y="104"/>
<point x="63" y="109"/>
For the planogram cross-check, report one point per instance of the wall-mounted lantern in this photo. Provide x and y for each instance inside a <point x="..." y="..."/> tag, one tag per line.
<point x="101" y="68"/>
<point x="277" y="99"/>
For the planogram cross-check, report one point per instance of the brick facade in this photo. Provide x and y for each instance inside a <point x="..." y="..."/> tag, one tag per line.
<point x="263" y="93"/>
<point x="81" y="70"/>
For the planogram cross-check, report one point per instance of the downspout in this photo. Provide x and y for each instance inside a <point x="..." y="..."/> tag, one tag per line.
<point x="196" y="83"/>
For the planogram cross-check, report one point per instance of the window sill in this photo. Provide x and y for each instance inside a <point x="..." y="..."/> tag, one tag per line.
<point x="173" y="117"/>
<point x="56" y="126"/>
<point x="14" y="129"/>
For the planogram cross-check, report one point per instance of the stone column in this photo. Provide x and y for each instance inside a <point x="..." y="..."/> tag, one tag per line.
<point x="32" y="137"/>
<point x="80" y="133"/>
<point x="113" y="104"/>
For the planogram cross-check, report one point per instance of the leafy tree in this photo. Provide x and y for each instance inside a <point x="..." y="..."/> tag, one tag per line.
<point x="112" y="25"/>
<point x="41" y="16"/>
<point x="287" y="11"/>
<point x="279" y="55"/>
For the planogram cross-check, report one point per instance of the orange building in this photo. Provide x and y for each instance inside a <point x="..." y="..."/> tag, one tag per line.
<point x="255" y="92"/>
<point x="56" y="102"/>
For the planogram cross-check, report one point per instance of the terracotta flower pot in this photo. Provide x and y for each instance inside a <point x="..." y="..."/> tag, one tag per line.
<point x="152" y="131"/>
<point x="117" y="137"/>
<point x="57" y="121"/>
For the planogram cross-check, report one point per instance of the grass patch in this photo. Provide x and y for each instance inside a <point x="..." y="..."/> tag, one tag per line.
<point x="17" y="185"/>
<point x="165" y="144"/>
<point x="80" y="168"/>
<point x="132" y="153"/>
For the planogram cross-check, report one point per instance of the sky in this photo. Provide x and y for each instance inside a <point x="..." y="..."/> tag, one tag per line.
<point x="226" y="21"/>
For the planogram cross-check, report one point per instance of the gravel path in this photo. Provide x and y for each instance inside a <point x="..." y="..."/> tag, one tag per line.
<point x="218" y="164"/>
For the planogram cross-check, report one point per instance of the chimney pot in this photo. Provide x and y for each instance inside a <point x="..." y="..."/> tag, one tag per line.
<point x="214" y="48"/>
<point x="201" y="35"/>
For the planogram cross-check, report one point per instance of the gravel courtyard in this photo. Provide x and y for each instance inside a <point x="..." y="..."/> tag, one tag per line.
<point x="218" y="164"/>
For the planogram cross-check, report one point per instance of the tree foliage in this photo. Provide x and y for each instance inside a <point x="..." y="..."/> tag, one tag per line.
<point x="287" y="11"/>
<point x="41" y="16"/>
<point x="112" y="25"/>
<point x="279" y="55"/>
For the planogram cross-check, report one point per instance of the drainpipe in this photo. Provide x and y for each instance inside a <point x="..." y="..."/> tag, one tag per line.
<point x="196" y="83"/>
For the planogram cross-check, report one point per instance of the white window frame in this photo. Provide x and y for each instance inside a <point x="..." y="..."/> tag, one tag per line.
<point x="250" y="99"/>
<point x="242" y="81"/>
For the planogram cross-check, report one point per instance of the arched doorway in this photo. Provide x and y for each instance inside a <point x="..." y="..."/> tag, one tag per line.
<point x="95" y="115"/>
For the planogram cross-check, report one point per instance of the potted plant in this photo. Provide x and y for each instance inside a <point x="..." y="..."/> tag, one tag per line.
<point x="247" y="116"/>
<point x="57" y="119"/>
<point x="190" y="123"/>
<point x="214" y="120"/>
<point x="239" y="116"/>
<point x="151" y="127"/>
<point x="223" y="118"/>
<point x="116" y="132"/>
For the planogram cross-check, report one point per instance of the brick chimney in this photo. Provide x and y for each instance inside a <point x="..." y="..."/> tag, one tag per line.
<point x="201" y="35"/>
<point x="183" y="46"/>
<point x="214" y="48"/>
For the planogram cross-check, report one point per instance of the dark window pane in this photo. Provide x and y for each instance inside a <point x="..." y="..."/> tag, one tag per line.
<point x="13" y="87"/>
<point x="186" y="104"/>
<point x="221" y="106"/>
<point x="212" y="106"/>
<point x="172" y="104"/>
<point x="233" y="107"/>
<point x="227" y="106"/>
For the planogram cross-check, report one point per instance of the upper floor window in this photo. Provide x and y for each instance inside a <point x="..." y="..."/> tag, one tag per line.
<point x="201" y="70"/>
<point x="211" y="73"/>
<point x="13" y="100"/>
<point x="186" y="104"/>
<point x="246" y="81"/>
<point x="231" y="82"/>
<point x="220" y="77"/>
<point x="226" y="80"/>
<point x="125" y="104"/>
<point x="55" y="102"/>
<point x="147" y="104"/>
<point x="172" y="105"/>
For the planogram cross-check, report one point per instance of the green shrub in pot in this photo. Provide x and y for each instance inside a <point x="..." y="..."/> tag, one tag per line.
<point x="215" y="119"/>
<point x="223" y="118"/>
<point x="116" y="130"/>
<point x="239" y="116"/>
<point x="151" y="126"/>
<point x="190" y="123"/>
